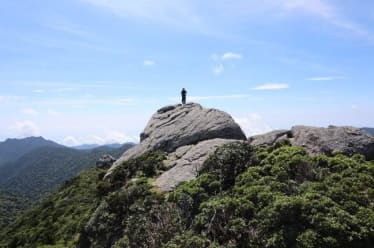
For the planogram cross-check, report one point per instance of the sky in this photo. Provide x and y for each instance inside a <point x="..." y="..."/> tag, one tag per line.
<point x="94" y="71"/>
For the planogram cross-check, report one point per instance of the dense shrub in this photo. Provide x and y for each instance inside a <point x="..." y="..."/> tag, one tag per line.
<point x="277" y="196"/>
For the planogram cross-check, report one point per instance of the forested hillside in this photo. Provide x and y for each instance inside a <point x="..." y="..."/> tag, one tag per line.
<point x="274" y="196"/>
<point x="42" y="171"/>
<point x="13" y="149"/>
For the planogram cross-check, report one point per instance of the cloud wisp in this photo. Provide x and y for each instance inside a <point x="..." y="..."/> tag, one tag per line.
<point x="324" y="78"/>
<point x="201" y="16"/>
<point x="29" y="111"/>
<point x="148" y="63"/>
<point x="217" y="97"/>
<point x="112" y="137"/>
<point x="231" y="56"/>
<point x="326" y="11"/>
<point x="218" y="69"/>
<point x="271" y="86"/>
<point x="252" y="124"/>
<point x="221" y="60"/>
<point x="25" y="129"/>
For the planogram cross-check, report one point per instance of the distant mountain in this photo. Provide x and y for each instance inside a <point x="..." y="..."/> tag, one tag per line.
<point x="93" y="146"/>
<point x="42" y="171"/>
<point x="369" y="130"/>
<point x="13" y="149"/>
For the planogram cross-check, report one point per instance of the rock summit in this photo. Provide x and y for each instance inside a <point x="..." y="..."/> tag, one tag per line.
<point x="188" y="133"/>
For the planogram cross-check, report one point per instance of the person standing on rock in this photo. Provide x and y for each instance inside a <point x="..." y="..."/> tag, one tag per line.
<point x="184" y="94"/>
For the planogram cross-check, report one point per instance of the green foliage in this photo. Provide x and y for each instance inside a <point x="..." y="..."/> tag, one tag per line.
<point x="276" y="196"/>
<point x="58" y="219"/>
<point x="282" y="198"/>
<point x="149" y="164"/>
<point x="41" y="171"/>
<point x="11" y="205"/>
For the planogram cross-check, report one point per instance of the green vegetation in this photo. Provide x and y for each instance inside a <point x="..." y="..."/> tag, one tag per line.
<point x="13" y="149"/>
<point x="41" y="171"/>
<point x="276" y="196"/>
<point x="11" y="205"/>
<point x="285" y="198"/>
<point x="59" y="218"/>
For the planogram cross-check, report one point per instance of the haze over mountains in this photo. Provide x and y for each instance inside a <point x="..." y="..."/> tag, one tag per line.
<point x="13" y="149"/>
<point x="368" y="130"/>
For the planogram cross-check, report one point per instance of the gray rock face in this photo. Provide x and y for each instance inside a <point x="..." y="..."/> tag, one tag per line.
<point x="269" y="138"/>
<point x="105" y="162"/>
<point x="348" y="140"/>
<point x="180" y="125"/>
<point x="186" y="162"/>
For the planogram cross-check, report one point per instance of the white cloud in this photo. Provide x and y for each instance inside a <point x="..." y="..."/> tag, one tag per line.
<point x="221" y="97"/>
<point x="25" y="128"/>
<point x="231" y="56"/>
<point x="8" y="98"/>
<point x="63" y="27"/>
<point x="316" y="7"/>
<point x="29" y="111"/>
<point x="109" y="138"/>
<point x="221" y="61"/>
<point x="65" y="89"/>
<point x="201" y="16"/>
<point x="271" y="86"/>
<point x="148" y="63"/>
<point x="177" y="12"/>
<point x="38" y="91"/>
<point x="234" y="96"/>
<point x="53" y="113"/>
<point x="252" y="124"/>
<point x="71" y="141"/>
<point x="126" y="101"/>
<point x="215" y="57"/>
<point x="218" y="69"/>
<point x="62" y="89"/>
<point x="324" y="78"/>
<point x="327" y="12"/>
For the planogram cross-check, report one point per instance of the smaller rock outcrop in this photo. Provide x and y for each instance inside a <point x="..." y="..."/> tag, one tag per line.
<point x="347" y="140"/>
<point x="105" y="162"/>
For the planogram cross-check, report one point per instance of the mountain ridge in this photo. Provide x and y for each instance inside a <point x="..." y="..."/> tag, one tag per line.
<point x="11" y="149"/>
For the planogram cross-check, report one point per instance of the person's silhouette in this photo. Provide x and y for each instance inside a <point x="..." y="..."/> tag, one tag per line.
<point x="184" y="94"/>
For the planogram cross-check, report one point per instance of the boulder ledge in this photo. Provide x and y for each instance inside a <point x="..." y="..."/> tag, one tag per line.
<point x="347" y="140"/>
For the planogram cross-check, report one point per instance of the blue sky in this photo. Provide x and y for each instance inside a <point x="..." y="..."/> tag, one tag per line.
<point x="93" y="71"/>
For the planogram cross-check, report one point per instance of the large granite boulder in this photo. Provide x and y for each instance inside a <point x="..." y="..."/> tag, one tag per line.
<point x="180" y="125"/>
<point x="348" y="140"/>
<point x="187" y="161"/>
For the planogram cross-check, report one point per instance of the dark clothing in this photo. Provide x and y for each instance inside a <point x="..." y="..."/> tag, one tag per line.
<point x="184" y="93"/>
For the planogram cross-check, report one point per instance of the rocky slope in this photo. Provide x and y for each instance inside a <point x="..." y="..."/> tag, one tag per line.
<point x="188" y="134"/>
<point x="347" y="140"/>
